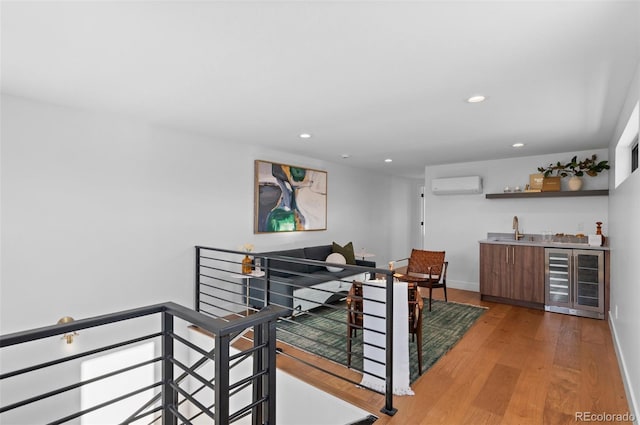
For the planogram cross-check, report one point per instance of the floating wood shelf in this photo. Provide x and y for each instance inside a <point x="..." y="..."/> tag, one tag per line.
<point x="561" y="194"/>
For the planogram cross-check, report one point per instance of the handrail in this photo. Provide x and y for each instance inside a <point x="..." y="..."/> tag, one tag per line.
<point x="207" y="323"/>
<point x="222" y="292"/>
<point x="262" y="406"/>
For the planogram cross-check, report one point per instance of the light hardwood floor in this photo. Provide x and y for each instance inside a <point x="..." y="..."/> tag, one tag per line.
<point x="514" y="366"/>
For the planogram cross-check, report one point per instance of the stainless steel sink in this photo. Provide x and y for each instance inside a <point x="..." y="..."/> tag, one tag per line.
<point x="513" y="240"/>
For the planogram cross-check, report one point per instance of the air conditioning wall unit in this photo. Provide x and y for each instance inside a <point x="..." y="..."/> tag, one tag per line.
<point x="456" y="185"/>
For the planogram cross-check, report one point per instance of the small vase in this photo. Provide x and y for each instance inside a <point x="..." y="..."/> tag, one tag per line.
<point x="574" y="183"/>
<point x="246" y="265"/>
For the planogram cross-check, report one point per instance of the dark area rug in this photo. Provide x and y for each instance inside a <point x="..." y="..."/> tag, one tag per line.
<point x="323" y="332"/>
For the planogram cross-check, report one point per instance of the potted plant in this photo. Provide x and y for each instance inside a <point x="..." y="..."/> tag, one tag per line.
<point x="574" y="169"/>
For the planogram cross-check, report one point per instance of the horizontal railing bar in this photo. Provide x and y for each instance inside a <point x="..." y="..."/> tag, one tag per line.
<point x="226" y="310"/>
<point x="213" y="386"/>
<point x="192" y="373"/>
<point x="227" y="251"/>
<point x="77" y="356"/>
<point x="235" y="417"/>
<point x="55" y="330"/>
<point x="327" y="291"/>
<point x="204" y="276"/>
<point x="76" y="385"/>
<point x="211" y="407"/>
<point x="251" y="378"/>
<point x="238" y="285"/>
<point x="220" y="260"/>
<point x="246" y="353"/>
<point x="239" y="388"/>
<point x="293" y="259"/>
<point x="243" y="411"/>
<point x="179" y="379"/>
<point x="335" y="349"/>
<point x="138" y="417"/>
<point x="338" y="350"/>
<point x="193" y="400"/>
<point x="220" y="279"/>
<point x="335" y="375"/>
<point x="219" y="326"/>
<point x="211" y="324"/>
<point x="294" y="322"/>
<point x="226" y="300"/>
<point x="178" y="415"/>
<point x="106" y="403"/>
<point x="208" y="354"/>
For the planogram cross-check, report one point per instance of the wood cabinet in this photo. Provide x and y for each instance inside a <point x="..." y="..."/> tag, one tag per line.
<point x="512" y="273"/>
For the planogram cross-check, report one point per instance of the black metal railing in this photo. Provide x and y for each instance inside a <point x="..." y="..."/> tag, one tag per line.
<point x="314" y="303"/>
<point x="195" y="371"/>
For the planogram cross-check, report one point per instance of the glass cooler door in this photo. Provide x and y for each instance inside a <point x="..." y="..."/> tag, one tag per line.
<point x="558" y="277"/>
<point x="589" y="280"/>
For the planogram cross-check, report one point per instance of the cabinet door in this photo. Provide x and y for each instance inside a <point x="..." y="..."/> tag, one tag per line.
<point x="494" y="271"/>
<point x="559" y="278"/>
<point x="527" y="264"/>
<point x="589" y="280"/>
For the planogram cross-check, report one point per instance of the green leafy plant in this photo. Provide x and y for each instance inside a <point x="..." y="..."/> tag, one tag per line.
<point x="589" y="166"/>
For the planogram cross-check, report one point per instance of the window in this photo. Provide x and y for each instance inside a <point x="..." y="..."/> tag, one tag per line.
<point x="627" y="147"/>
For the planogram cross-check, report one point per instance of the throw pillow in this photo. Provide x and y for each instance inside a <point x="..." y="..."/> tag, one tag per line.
<point x="335" y="258"/>
<point x="346" y="251"/>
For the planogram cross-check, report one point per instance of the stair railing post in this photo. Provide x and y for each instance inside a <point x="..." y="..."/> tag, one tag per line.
<point x="169" y="394"/>
<point x="388" y="405"/>
<point x="197" y="277"/>
<point x="271" y="375"/>
<point x="221" y="379"/>
<point x="267" y="282"/>
<point x="259" y="381"/>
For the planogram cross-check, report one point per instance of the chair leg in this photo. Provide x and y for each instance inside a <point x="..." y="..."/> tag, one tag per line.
<point x="445" y="293"/>
<point x="349" y="334"/>
<point x="430" y="297"/>
<point x="419" y="343"/>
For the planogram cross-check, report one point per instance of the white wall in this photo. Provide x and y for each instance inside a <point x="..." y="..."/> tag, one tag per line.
<point x="101" y="212"/>
<point x="455" y="223"/>
<point x="624" y="207"/>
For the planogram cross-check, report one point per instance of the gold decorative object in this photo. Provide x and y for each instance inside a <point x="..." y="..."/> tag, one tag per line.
<point x="535" y="182"/>
<point x="551" y="184"/>
<point x="68" y="337"/>
<point x="247" y="264"/>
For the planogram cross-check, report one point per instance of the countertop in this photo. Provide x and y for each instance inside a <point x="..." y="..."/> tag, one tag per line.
<point x="538" y="240"/>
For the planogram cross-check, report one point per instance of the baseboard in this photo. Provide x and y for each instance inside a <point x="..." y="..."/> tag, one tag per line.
<point x="467" y="286"/>
<point x="633" y="402"/>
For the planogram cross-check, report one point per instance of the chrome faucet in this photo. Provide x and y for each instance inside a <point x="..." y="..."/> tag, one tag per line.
<point x="517" y="235"/>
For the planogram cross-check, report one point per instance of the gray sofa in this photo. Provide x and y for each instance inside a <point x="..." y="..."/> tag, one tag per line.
<point x="300" y="287"/>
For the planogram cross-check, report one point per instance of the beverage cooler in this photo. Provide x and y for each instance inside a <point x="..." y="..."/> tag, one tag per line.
<point x="574" y="282"/>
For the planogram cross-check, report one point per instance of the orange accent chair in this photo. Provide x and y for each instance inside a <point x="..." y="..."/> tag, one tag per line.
<point x="428" y="269"/>
<point x="355" y="317"/>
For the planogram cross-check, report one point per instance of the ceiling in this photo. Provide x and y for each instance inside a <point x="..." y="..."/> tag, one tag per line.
<point x="370" y="79"/>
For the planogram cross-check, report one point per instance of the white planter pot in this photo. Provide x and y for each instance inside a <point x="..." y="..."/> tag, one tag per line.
<point x="574" y="183"/>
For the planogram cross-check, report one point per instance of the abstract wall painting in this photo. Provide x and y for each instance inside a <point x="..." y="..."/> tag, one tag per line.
<point x="289" y="198"/>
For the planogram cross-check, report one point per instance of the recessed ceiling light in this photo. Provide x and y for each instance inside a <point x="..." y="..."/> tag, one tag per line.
<point x="518" y="145"/>
<point x="345" y="156"/>
<point x="388" y="160"/>
<point x="476" y="99"/>
<point x="305" y="136"/>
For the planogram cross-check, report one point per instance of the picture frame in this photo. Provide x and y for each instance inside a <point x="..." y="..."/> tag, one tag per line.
<point x="289" y="198"/>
